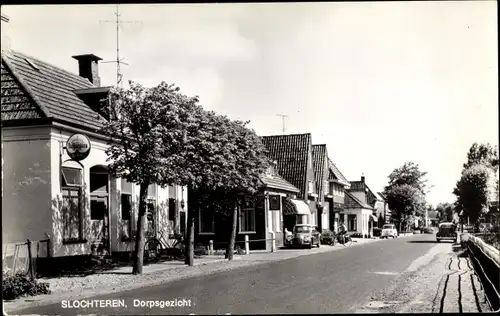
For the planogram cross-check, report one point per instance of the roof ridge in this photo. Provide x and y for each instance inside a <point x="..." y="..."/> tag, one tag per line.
<point x="301" y="134"/>
<point x="72" y="74"/>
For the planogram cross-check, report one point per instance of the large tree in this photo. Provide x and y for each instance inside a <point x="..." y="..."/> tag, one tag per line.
<point x="161" y="136"/>
<point x="406" y="191"/>
<point x="475" y="190"/>
<point x="484" y="154"/>
<point x="409" y="173"/>
<point x="404" y="200"/>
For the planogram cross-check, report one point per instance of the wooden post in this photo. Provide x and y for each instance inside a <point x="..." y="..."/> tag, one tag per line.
<point x="211" y="247"/>
<point x="247" y="245"/>
<point x="31" y="269"/>
<point x="273" y="241"/>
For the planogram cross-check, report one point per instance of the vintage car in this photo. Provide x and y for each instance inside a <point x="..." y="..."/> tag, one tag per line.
<point x="389" y="230"/>
<point x="447" y="231"/>
<point x="304" y="235"/>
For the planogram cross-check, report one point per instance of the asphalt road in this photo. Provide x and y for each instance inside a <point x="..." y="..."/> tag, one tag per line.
<point x="332" y="282"/>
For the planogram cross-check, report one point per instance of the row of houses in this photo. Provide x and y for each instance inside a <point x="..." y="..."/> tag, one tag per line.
<point x="81" y="208"/>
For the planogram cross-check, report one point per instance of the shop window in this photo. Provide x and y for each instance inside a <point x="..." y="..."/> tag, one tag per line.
<point x="97" y="209"/>
<point x="126" y="206"/>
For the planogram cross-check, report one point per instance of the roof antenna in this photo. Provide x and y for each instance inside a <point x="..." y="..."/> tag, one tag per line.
<point x="118" y="61"/>
<point x="283" y="121"/>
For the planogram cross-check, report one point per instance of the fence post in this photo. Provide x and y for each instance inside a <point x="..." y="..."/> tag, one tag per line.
<point x="273" y="241"/>
<point x="31" y="269"/>
<point x="247" y="245"/>
<point x="211" y="247"/>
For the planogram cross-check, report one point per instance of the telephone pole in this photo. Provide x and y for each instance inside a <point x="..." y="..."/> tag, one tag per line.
<point x="283" y="121"/>
<point x="118" y="61"/>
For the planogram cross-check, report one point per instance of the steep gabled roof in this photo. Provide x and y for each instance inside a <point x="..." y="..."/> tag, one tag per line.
<point x="353" y="202"/>
<point x="319" y="155"/>
<point x="277" y="182"/>
<point x="49" y="89"/>
<point x="335" y="173"/>
<point x="291" y="152"/>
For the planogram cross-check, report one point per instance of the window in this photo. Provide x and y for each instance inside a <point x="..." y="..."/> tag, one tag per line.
<point x="351" y="222"/>
<point x="247" y="217"/>
<point x="274" y="202"/>
<point x="207" y="224"/>
<point x="97" y="208"/>
<point x="151" y="216"/>
<point x="126" y="206"/>
<point x="72" y="214"/>
<point x="71" y="177"/>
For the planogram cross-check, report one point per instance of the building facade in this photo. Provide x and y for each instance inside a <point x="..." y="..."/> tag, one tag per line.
<point x="78" y="205"/>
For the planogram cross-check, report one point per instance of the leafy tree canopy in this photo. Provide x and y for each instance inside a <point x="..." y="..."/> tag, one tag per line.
<point x="445" y="211"/>
<point x="405" y="199"/>
<point x="482" y="154"/>
<point x="408" y="174"/>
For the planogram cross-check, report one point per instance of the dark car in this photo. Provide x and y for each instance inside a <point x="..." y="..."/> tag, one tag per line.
<point x="306" y="235"/>
<point x="447" y="231"/>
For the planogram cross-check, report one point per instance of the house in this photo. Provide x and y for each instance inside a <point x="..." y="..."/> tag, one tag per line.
<point x="294" y="162"/>
<point x="259" y="215"/>
<point x="77" y="205"/>
<point x="359" y="213"/>
<point x="335" y="194"/>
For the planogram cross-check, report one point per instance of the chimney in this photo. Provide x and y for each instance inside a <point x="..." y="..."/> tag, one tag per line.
<point x="88" y="68"/>
<point x="363" y="178"/>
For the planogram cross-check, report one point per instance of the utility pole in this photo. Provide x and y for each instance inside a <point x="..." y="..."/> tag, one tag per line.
<point x="118" y="61"/>
<point x="283" y="121"/>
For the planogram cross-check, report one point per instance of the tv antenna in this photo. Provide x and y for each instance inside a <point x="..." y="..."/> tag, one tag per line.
<point x="118" y="61"/>
<point x="283" y="117"/>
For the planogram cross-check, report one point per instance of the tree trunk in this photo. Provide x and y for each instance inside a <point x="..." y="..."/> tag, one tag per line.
<point x="232" y="238"/>
<point x="192" y="215"/>
<point x="140" y="235"/>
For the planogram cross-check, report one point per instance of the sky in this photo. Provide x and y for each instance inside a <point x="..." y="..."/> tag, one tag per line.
<point x="380" y="83"/>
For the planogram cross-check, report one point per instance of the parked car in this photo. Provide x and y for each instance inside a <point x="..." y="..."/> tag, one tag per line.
<point x="447" y="231"/>
<point x="305" y="235"/>
<point x="429" y="230"/>
<point x="389" y="230"/>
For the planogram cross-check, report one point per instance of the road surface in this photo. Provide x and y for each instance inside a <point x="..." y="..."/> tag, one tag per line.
<point x="333" y="282"/>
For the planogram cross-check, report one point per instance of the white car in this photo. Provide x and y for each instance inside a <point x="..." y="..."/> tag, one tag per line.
<point x="389" y="230"/>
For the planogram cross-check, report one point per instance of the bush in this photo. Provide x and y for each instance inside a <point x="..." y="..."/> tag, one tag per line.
<point x="327" y="237"/>
<point x="18" y="285"/>
<point x="377" y="232"/>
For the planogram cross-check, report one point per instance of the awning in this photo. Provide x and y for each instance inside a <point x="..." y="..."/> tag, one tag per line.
<point x="374" y="218"/>
<point x="295" y="207"/>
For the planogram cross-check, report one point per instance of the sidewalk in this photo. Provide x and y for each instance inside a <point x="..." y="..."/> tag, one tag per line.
<point x="442" y="281"/>
<point x="121" y="279"/>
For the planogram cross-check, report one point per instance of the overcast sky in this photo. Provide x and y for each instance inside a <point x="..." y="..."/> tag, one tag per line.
<point x="380" y="83"/>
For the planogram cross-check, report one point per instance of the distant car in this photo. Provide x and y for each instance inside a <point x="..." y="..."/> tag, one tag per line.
<point x="447" y="231"/>
<point x="306" y="235"/>
<point x="389" y="230"/>
<point x="428" y="230"/>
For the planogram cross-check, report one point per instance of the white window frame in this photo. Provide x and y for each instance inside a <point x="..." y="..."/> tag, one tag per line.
<point x="310" y="187"/>
<point x="241" y="218"/>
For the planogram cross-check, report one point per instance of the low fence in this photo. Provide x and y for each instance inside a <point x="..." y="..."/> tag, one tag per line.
<point x="245" y="243"/>
<point x="21" y="257"/>
<point x="486" y="262"/>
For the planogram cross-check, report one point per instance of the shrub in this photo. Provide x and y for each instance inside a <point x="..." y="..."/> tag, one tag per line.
<point x="327" y="237"/>
<point x="18" y="285"/>
<point x="377" y="232"/>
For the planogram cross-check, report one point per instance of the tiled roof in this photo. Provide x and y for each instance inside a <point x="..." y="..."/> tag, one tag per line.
<point x="335" y="173"/>
<point x="277" y="182"/>
<point x="353" y="202"/>
<point x="291" y="152"/>
<point x="319" y="155"/>
<point x="51" y="88"/>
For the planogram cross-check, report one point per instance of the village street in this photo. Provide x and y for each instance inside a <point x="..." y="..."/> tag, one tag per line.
<point x="343" y="281"/>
